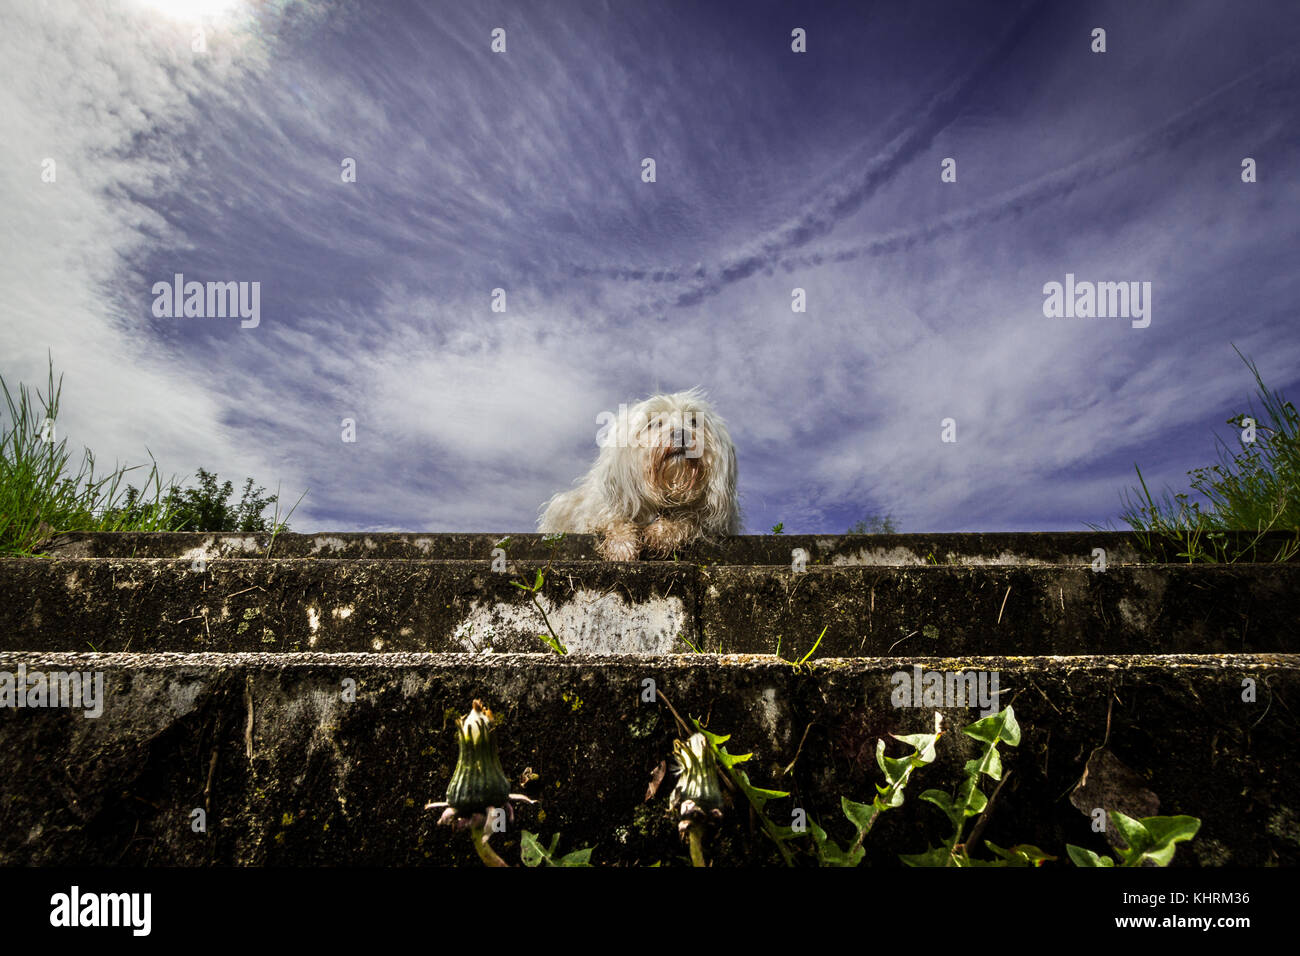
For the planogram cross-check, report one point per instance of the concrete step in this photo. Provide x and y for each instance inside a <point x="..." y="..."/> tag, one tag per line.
<point x="289" y="771"/>
<point x="366" y="604"/>
<point x="1064" y="548"/>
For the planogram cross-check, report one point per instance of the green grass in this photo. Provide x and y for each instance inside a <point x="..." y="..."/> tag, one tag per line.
<point x="44" y="490"/>
<point x="1254" y="489"/>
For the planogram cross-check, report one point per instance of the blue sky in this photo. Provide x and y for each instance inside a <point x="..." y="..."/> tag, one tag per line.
<point x="775" y="170"/>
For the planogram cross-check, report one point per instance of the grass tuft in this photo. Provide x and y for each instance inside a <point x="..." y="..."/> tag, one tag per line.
<point x="1254" y="489"/>
<point x="43" y="491"/>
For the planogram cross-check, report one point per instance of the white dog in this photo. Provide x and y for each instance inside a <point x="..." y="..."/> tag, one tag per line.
<point x="665" y="476"/>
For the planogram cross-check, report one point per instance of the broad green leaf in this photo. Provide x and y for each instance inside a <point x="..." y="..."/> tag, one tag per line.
<point x="576" y="858"/>
<point x="1165" y="832"/>
<point x="944" y="802"/>
<point x="1001" y="726"/>
<point x="923" y="744"/>
<point x="935" y="856"/>
<point x="830" y="853"/>
<point x="1007" y="857"/>
<point x="895" y="769"/>
<point x="530" y="850"/>
<point x="1085" y="857"/>
<point x="859" y="814"/>
<point x="1031" y="853"/>
<point x="553" y="644"/>
<point x="785" y="833"/>
<point x="989" y="763"/>
<point x="1020" y="855"/>
<point x="534" y="854"/>
<point x="893" y="796"/>
<point x="940" y="799"/>
<point x="1134" y="834"/>
<point x="970" y="797"/>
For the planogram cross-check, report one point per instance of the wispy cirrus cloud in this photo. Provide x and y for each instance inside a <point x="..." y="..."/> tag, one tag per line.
<point x="520" y="171"/>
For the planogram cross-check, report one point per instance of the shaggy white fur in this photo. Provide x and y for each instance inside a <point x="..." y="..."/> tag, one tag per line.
<point x="665" y="476"/>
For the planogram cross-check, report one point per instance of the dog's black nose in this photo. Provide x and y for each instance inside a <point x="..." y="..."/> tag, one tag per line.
<point x="679" y="438"/>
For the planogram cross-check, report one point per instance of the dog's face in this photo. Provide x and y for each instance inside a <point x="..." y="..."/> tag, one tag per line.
<point x="672" y="439"/>
<point x="679" y="449"/>
<point x="665" y="476"/>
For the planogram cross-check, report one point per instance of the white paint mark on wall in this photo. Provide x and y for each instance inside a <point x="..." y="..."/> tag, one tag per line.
<point x="589" y="622"/>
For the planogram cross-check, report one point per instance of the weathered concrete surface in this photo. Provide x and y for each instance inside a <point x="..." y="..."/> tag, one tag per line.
<point x="359" y="605"/>
<point x="1160" y="609"/>
<point x="1063" y="547"/>
<point x="329" y="605"/>
<point x="288" y="772"/>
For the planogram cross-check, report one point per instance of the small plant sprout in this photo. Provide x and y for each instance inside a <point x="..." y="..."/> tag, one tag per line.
<point x="898" y="772"/>
<point x="969" y="801"/>
<point x="698" y="794"/>
<point x="804" y="660"/>
<point x="479" y="790"/>
<point x="551" y="639"/>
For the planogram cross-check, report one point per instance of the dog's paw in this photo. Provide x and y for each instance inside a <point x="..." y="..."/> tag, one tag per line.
<point x="665" y="536"/>
<point x="620" y="544"/>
